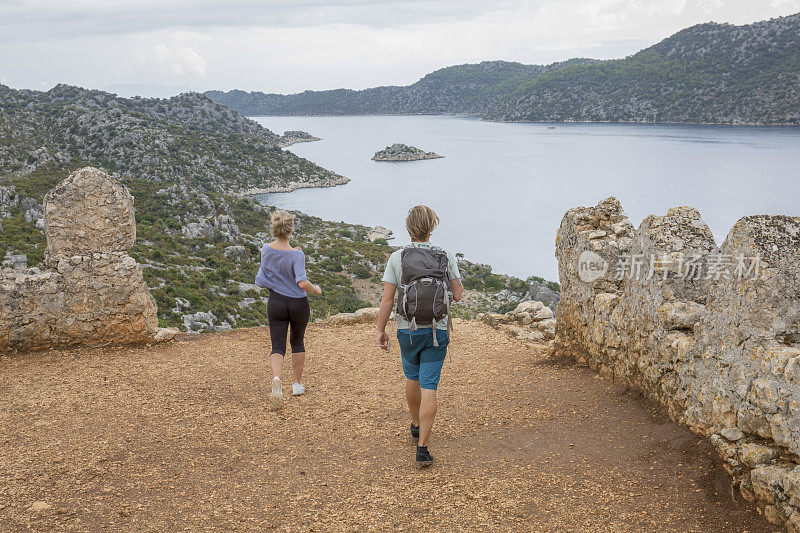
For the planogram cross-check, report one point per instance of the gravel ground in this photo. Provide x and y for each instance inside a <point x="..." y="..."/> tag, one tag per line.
<point x="180" y="437"/>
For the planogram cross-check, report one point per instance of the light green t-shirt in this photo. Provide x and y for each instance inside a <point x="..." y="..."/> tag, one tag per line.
<point x="394" y="273"/>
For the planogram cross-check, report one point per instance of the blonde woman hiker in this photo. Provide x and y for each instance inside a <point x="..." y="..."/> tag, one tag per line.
<point x="427" y="280"/>
<point x="283" y="272"/>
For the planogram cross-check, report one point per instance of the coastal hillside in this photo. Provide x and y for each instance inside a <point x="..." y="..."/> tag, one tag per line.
<point x="710" y="73"/>
<point x="461" y="89"/>
<point x="187" y="160"/>
<point x="187" y="138"/>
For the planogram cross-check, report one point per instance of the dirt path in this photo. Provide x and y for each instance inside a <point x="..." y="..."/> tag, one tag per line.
<point x="179" y="437"/>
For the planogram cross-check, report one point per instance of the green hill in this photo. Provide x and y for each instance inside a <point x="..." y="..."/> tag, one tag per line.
<point x="710" y="73"/>
<point x="186" y="160"/>
<point x="186" y="138"/>
<point x="461" y="89"/>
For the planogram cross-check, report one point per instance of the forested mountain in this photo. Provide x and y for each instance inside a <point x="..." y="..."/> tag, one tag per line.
<point x="710" y="73"/>
<point x="461" y="89"/>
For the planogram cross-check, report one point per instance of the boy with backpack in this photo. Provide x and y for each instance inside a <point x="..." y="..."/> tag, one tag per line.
<point x="427" y="281"/>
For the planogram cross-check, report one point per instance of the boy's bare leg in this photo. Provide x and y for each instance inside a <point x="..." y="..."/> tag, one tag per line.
<point x="413" y="399"/>
<point x="427" y="412"/>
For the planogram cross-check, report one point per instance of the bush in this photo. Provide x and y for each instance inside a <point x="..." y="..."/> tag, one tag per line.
<point x="494" y="283"/>
<point x="331" y="265"/>
<point x="360" y="271"/>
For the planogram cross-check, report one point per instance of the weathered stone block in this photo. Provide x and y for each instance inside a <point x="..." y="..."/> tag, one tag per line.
<point x="89" y="212"/>
<point x="91" y="291"/>
<point x="712" y="333"/>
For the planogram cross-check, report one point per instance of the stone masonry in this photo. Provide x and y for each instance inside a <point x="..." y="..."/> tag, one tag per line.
<point x="89" y="290"/>
<point x="712" y="333"/>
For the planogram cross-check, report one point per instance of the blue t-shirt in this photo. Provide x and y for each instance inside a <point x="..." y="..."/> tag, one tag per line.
<point x="282" y="270"/>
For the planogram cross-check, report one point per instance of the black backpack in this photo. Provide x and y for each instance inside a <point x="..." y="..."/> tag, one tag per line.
<point x="423" y="296"/>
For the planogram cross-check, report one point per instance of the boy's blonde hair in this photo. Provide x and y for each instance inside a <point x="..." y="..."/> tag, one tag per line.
<point x="420" y="222"/>
<point x="282" y="224"/>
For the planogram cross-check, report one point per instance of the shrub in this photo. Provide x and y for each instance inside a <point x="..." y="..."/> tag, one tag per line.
<point x="331" y="265"/>
<point x="360" y="271"/>
<point x="493" y="282"/>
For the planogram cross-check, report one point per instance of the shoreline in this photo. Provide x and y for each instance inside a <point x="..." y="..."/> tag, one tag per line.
<point x="636" y="123"/>
<point x="294" y="185"/>
<point x="497" y="121"/>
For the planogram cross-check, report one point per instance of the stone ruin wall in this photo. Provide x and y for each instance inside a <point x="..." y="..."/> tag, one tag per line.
<point x="89" y="290"/>
<point x="719" y="350"/>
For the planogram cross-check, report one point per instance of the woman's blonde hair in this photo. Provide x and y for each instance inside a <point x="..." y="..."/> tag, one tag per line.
<point x="282" y="224"/>
<point x="420" y="222"/>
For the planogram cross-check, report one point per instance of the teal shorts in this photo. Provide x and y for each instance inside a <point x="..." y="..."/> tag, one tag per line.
<point x="422" y="361"/>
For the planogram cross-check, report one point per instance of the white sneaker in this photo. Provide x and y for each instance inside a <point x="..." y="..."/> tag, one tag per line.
<point x="298" y="389"/>
<point x="277" y="393"/>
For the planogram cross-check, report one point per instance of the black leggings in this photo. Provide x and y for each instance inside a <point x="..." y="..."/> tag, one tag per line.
<point x="284" y="311"/>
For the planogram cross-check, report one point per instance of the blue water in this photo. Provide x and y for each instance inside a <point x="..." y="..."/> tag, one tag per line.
<point x="502" y="189"/>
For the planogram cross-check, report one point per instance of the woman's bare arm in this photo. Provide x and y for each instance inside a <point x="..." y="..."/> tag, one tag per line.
<point x="309" y="287"/>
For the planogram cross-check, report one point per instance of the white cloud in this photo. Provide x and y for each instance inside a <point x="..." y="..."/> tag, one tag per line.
<point x="174" y="56"/>
<point x="281" y="46"/>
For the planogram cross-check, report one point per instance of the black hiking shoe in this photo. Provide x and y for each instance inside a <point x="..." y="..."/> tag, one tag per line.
<point x="423" y="457"/>
<point x="414" y="432"/>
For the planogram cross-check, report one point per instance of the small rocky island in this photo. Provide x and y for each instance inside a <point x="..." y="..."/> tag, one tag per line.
<point x="403" y="152"/>
<point x="296" y="136"/>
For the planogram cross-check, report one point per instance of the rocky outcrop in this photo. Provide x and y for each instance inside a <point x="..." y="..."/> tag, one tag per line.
<point x="90" y="290"/>
<point x="379" y="232"/>
<point x="402" y="152"/>
<point x="531" y="321"/>
<point x="365" y="315"/>
<point x="712" y="333"/>
<point x="296" y="136"/>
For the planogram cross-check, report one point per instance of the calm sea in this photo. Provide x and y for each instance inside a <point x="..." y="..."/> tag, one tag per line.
<point x="502" y="189"/>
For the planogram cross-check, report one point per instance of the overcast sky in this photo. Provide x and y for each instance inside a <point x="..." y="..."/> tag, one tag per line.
<point x="292" y="45"/>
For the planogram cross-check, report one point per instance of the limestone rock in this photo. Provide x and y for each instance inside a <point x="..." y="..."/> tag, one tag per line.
<point x="89" y="212"/>
<point x="90" y="290"/>
<point x="165" y="334"/>
<point x="732" y="434"/>
<point x="365" y="315"/>
<point x="379" y="232"/>
<point x="753" y="454"/>
<point x="713" y="333"/>
<point x="237" y="252"/>
<point x="40" y="506"/>
<point x="530" y="321"/>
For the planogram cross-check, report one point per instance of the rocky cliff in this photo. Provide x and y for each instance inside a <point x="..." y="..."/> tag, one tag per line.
<point x="710" y="332"/>
<point x="89" y="290"/>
